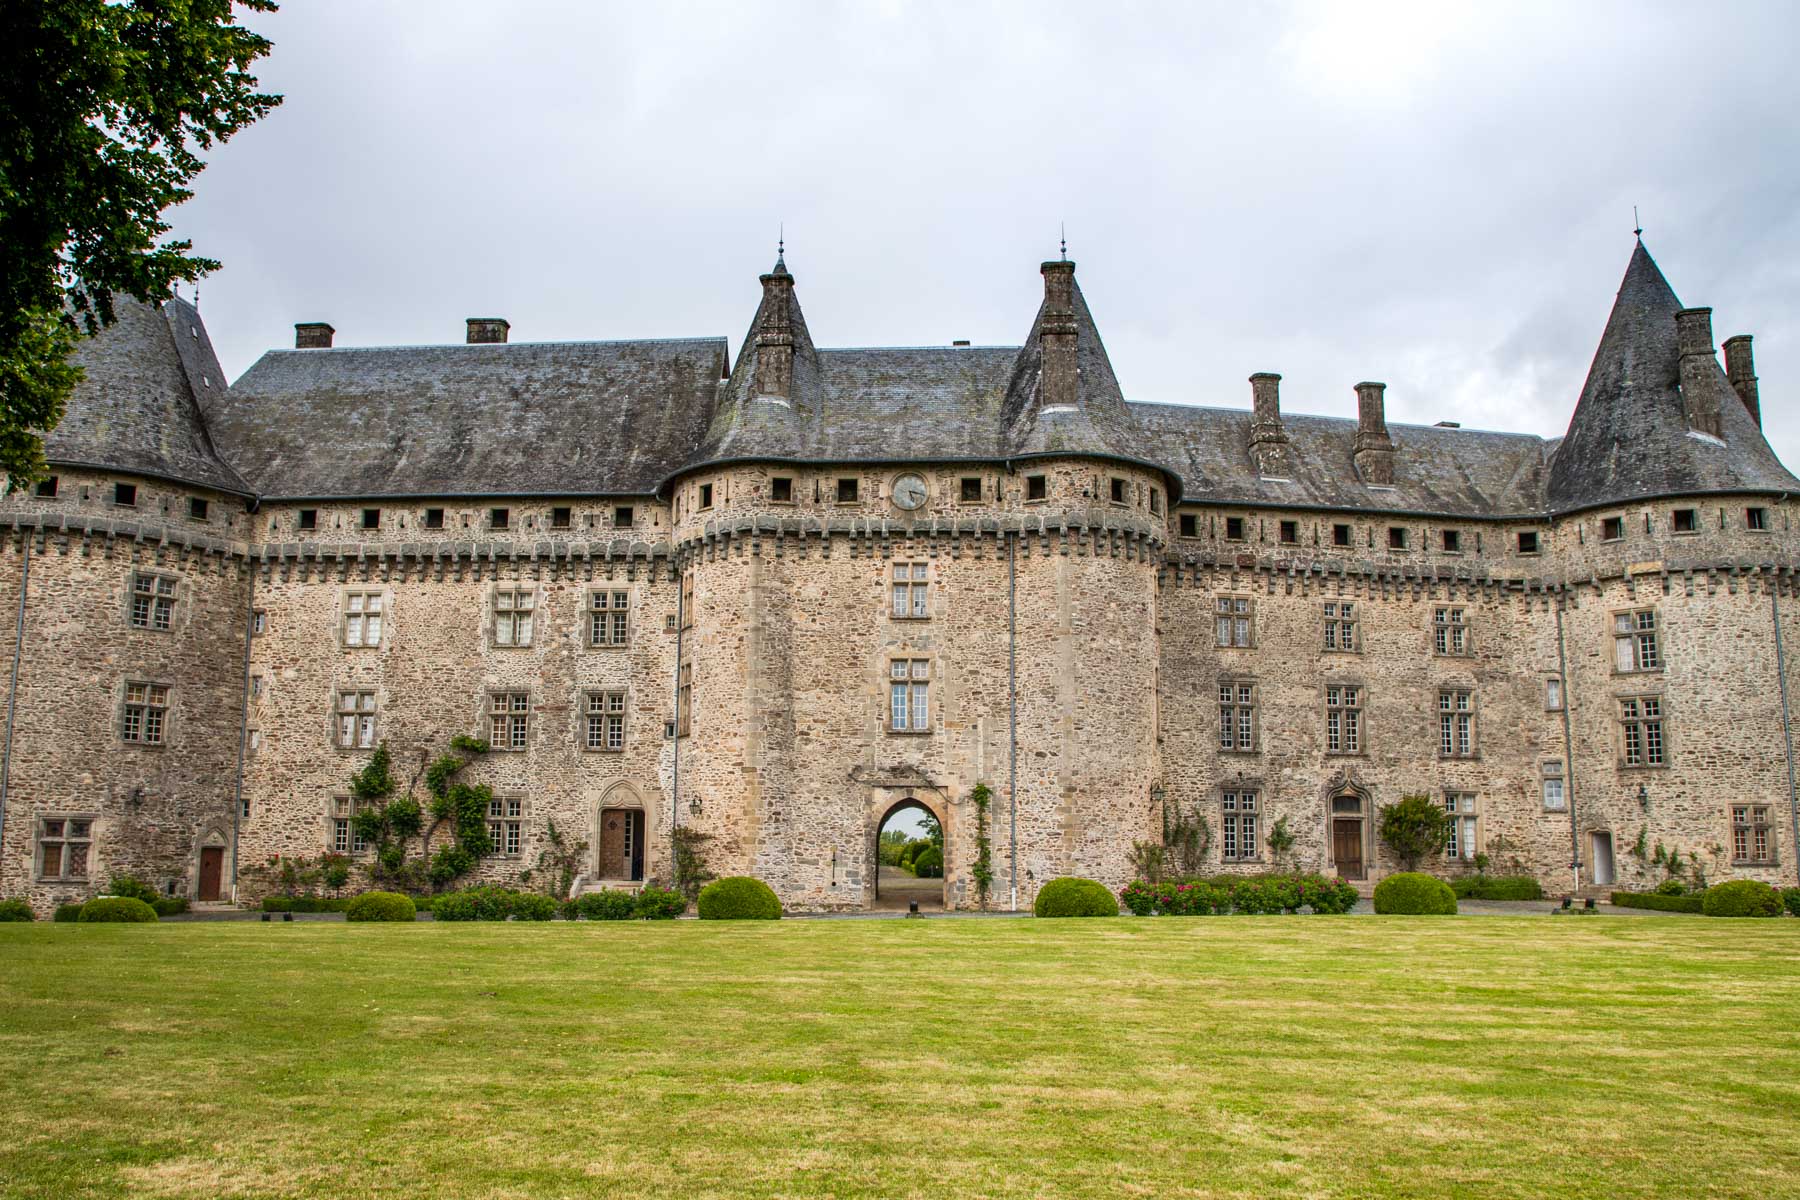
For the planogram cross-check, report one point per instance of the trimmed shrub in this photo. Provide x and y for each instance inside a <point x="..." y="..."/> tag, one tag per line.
<point x="1790" y="897"/>
<point x="1670" y="887"/>
<point x="1240" y="894"/>
<point x="929" y="864"/>
<point x="1658" y="901"/>
<point x="1741" y="898"/>
<point x="169" y="906"/>
<point x="305" y="904"/>
<point x="16" y="910"/>
<point x="1071" y="897"/>
<point x="132" y="888"/>
<point x="660" y="904"/>
<point x="67" y="912"/>
<point x="381" y="906"/>
<point x="738" y="898"/>
<point x="608" y="906"/>
<point x="492" y="903"/>
<point x="533" y="906"/>
<point x="1497" y="887"/>
<point x="116" y="908"/>
<point x="1414" y="894"/>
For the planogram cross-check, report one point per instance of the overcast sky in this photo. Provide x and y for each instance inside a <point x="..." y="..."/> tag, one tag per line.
<point x="1435" y="195"/>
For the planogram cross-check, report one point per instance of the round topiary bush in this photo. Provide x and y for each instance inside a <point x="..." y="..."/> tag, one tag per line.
<point x="607" y="906"/>
<point x="1075" y="898"/>
<point x="738" y="898"/>
<point x="16" y="910"/>
<point x="116" y="908"/>
<point x="929" y="864"/>
<point x="381" y="906"/>
<point x="1415" y="894"/>
<point x="1741" y="898"/>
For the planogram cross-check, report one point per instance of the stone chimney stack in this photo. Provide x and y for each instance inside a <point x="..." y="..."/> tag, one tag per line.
<point x="1699" y="396"/>
<point x="487" y="331"/>
<point x="1061" y="381"/>
<point x="775" y="335"/>
<point x="1268" y="437"/>
<point x="1740" y="368"/>
<point x="1374" y="454"/>
<point x="313" y="335"/>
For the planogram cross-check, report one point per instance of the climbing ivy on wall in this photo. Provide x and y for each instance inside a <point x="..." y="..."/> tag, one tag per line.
<point x="388" y="822"/>
<point x="983" y="870"/>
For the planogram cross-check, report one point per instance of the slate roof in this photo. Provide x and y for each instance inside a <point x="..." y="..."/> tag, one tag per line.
<point x="138" y="405"/>
<point x="1102" y="422"/>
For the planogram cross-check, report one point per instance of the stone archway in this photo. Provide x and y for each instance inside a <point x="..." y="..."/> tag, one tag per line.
<point x="209" y="867"/>
<point x="891" y="887"/>
<point x="1349" y="814"/>
<point x="621" y="825"/>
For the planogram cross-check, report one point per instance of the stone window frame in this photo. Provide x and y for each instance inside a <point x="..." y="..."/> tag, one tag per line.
<point x="340" y="826"/>
<point x="909" y="590"/>
<point x="124" y="495"/>
<point x="1458" y="724"/>
<point x="962" y="489"/>
<point x="684" y="698"/>
<point x="608" y="617"/>
<point x="1156" y="504"/>
<point x="1450" y="541"/>
<point x="1462" y="810"/>
<point x="1537" y="541"/>
<point x="704" y="497"/>
<point x="1756" y="519"/>
<point x="776" y="483"/>
<point x="1118" y="491"/>
<point x="847" y="490"/>
<point x="1187" y="525"/>
<point x="1398" y="538"/>
<point x="1037" y="488"/>
<point x="1288" y="533"/>
<point x="1637" y="632"/>
<point x="142" y="714"/>
<point x="1452" y="634"/>
<point x="361" y="720"/>
<point x="1643" y="731"/>
<point x="1555" y="695"/>
<point x="370" y="519"/>
<point x="63" y="839"/>
<point x="629" y="514"/>
<point x="1240" y="833"/>
<point x="1234" y="621"/>
<point x="604" y="719"/>
<point x="1352" y="717"/>
<point x="506" y="826"/>
<point x="562" y="516"/>
<point x="512" y="625"/>
<point x="1243" y="529"/>
<point x="1684" y="522"/>
<point x="1551" y="775"/>
<point x="306" y="520"/>
<point x="46" y="488"/>
<point x="1612" y="529"/>
<point x="910" y="674"/>
<point x="1753" y="829"/>
<point x="159" y="603"/>
<point x="362" y="618"/>
<point x="1343" y="624"/>
<point x="434" y="518"/>
<point x="508" y="712"/>
<point x="500" y="518"/>
<point x="1343" y="535"/>
<point x="259" y="622"/>
<point x="198" y="508"/>
<point x="1235" y="709"/>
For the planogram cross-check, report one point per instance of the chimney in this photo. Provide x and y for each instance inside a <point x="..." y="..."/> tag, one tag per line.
<point x="1740" y="368"/>
<point x="487" y="331"/>
<point x="313" y="335"/>
<point x="1061" y="379"/>
<point x="1374" y="450"/>
<point x="775" y="335"/>
<point x="1268" y="437"/>
<point x="1693" y="331"/>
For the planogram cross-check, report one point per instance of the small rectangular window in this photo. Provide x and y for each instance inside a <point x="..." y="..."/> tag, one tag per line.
<point x="1756" y="519"/>
<point x="706" y="495"/>
<point x="1553" y="694"/>
<point x="1340" y="535"/>
<point x="145" y="715"/>
<point x="499" y="518"/>
<point x="64" y="844"/>
<point x="1555" y="798"/>
<point x="1234" y="621"/>
<point x="46" y="488"/>
<point x="1449" y="632"/>
<point x="1452" y="541"/>
<point x="1290" y="533"/>
<point x="1190" y="525"/>
<point x="1528" y="541"/>
<point x="1037" y="487"/>
<point x="1396" y="537"/>
<point x="909" y="695"/>
<point x="371" y="518"/>
<point x="513" y="611"/>
<point x="623" y="517"/>
<point x="152" y="601"/>
<point x="1612" y="529"/>
<point x="1118" y="490"/>
<point x="609" y="615"/>
<point x="509" y="716"/>
<point x="561" y="518"/>
<point x="259" y="622"/>
<point x="362" y="618"/>
<point x="306" y="518"/>
<point x="911" y="591"/>
<point x="971" y="489"/>
<point x="355" y="720"/>
<point x="1234" y="529"/>
<point x="125" y="495"/>
<point x="605" y="721"/>
<point x="1237" y="826"/>
<point x="1685" y="520"/>
<point x="1156" y="501"/>
<point x="197" y="508"/>
<point x="434" y="518"/>
<point x="846" y="491"/>
<point x="781" y="489"/>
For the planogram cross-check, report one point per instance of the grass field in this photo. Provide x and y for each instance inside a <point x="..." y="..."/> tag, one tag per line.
<point x="1305" y="1056"/>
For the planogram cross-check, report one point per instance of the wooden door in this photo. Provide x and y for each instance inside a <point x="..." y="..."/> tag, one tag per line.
<point x="212" y="868"/>
<point x="1346" y="847"/>
<point x="613" y="837"/>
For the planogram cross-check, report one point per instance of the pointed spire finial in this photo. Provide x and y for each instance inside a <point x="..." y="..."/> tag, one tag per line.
<point x="1063" y="231"/>
<point x="1638" y="230"/>
<point x="781" y="246"/>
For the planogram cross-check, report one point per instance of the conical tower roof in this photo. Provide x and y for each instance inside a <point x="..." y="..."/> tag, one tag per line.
<point x="1101" y="422"/>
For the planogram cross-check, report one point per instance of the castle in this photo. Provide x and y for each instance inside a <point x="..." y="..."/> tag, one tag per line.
<point x="773" y="599"/>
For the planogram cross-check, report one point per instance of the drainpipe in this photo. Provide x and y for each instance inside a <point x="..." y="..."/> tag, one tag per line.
<point x="1787" y="725"/>
<point x="1012" y="715"/>
<point x="1568" y="704"/>
<point x="12" y="688"/>
<point x="237" y="799"/>
<point x="675" y="774"/>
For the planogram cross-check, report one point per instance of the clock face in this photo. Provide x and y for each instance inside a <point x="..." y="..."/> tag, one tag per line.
<point x="909" y="491"/>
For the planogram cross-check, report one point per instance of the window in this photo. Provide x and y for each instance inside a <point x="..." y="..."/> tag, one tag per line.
<point x="1340" y="535"/>
<point x="306" y="518"/>
<point x="1156" y="502"/>
<point x="197" y="508"/>
<point x="46" y="488"/>
<point x="684" y="699"/>
<point x="1685" y="520"/>
<point x="152" y="601"/>
<point x="1118" y="490"/>
<point x="624" y="517"/>
<point x="146" y="713"/>
<point x="909" y="695"/>
<point x="1234" y="529"/>
<point x="1750" y="842"/>
<point x="509" y="717"/>
<point x="971" y="489"/>
<point x="371" y="518"/>
<point x="499" y="518"/>
<point x="1612" y="529"/>
<point x="846" y="491"/>
<point x="1528" y="541"/>
<point x="1756" y="520"/>
<point x="1452" y="541"/>
<point x="1290" y="533"/>
<point x="257" y="683"/>
<point x="1449" y="632"/>
<point x="562" y="518"/>
<point x="512" y="616"/>
<point x="1553" y="694"/>
<point x="362" y="619"/>
<point x="606" y="720"/>
<point x="1636" y="642"/>
<point x="259" y="622"/>
<point x="434" y="518"/>
<point x="687" y="600"/>
<point x="1343" y="719"/>
<point x="344" y="838"/>
<point x="781" y="489"/>
<point x="1237" y="716"/>
<point x="1037" y="487"/>
<point x="1461" y="809"/>
<point x="1238" y="841"/>
<point x="1555" y="798"/>
<point x="125" y="495"/>
<point x="1190" y="525"/>
<point x="1641" y="729"/>
<point x="506" y="826"/>
<point x="608" y="618"/>
<point x="355" y="720"/>
<point x="1340" y="625"/>
<point x="1456" y="723"/>
<point x="1233" y="620"/>
<point x="1396" y="537"/>
<point x="910" y="588"/>
<point x="706" y="495"/>
<point x="63" y="847"/>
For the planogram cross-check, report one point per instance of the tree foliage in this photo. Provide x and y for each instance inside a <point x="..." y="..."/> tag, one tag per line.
<point x="105" y="108"/>
<point x="1414" y="827"/>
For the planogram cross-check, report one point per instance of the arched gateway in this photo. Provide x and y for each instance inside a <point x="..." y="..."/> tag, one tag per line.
<point x="893" y="886"/>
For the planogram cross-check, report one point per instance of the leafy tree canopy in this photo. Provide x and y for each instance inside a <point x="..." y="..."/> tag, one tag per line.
<point x="105" y="106"/>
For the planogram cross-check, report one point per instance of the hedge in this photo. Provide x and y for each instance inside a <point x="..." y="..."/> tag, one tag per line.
<point x="1658" y="902"/>
<point x="738" y="898"/>
<point x="1070" y="897"/>
<point x="1223" y="894"/>
<point x="16" y="910"/>
<point x="116" y="908"/>
<point x="492" y="904"/>
<point x="169" y="906"/>
<point x="1412" y="893"/>
<point x="381" y="906"/>
<point x="1741" y="898"/>
<point x="67" y="912"/>
<point x="607" y="906"/>
<point x="660" y="904"/>
<point x="1791" y="898"/>
<point x="1497" y="887"/>
<point x="305" y="904"/>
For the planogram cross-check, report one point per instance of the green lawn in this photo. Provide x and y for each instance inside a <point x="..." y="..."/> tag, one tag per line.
<point x="1233" y="1056"/>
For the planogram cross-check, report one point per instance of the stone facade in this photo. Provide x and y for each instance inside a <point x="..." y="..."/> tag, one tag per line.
<point x="1067" y="640"/>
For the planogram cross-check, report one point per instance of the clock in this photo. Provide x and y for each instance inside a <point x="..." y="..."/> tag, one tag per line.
<point x="909" y="490"/>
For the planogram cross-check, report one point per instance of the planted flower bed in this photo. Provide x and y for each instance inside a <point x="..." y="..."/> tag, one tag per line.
<point x="1243" y="894"/>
